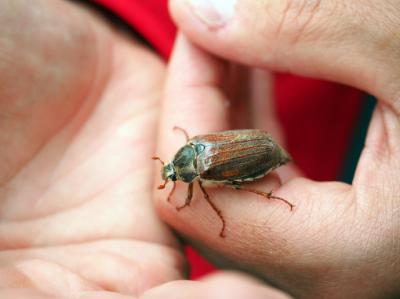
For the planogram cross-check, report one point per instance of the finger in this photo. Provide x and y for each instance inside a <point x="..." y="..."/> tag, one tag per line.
<point x="376" y="174"/>
<point x="194" y="98"/>
<point x="216" y="286"/>
<point x="354" y="43"/>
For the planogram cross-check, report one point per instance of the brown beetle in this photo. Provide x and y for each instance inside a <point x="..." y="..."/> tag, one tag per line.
<point x="229" y="158"/>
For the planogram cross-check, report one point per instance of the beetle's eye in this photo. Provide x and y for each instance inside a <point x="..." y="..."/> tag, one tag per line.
<point x="173" y="177"/>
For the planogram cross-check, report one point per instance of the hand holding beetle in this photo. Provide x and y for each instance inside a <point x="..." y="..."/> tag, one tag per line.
<point x="341" y="241"/>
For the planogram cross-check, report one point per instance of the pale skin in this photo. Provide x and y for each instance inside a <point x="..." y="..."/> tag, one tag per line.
<point x="77" y="182"/>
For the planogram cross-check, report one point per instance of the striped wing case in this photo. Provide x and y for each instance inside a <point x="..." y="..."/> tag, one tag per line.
<point x="237" y="156"/>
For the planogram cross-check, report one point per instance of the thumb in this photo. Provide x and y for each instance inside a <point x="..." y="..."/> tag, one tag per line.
<point x="348" y="42"/>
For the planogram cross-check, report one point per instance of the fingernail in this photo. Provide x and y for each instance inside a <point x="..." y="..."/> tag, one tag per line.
<point x="214" y="13"/>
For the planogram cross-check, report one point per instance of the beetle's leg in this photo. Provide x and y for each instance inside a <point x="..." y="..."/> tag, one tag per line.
<point x="183" y="131"/>
<point x="188" y="198"/>
<point x="218" y="211"/>
<point x="268" y="195"/>
<point x="171" y="192"/>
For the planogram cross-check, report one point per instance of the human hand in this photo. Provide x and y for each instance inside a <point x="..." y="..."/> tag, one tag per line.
<point x="79" y="110"/>
<point x="341" y="241"/>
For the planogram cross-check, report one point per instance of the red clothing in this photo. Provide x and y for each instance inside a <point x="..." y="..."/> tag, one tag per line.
<point x="318" y="117"/>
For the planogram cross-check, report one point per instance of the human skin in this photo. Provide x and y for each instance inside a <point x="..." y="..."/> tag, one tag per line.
<point x="79" y="109"/>
<point x="341" y="241"/>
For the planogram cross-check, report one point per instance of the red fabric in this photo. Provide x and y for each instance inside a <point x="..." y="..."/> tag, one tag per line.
<point x="317" y="116"/>
<point x="149" y="18"/>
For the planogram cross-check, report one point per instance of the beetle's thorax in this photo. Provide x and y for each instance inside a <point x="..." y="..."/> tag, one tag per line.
<point x="184" y="163"/>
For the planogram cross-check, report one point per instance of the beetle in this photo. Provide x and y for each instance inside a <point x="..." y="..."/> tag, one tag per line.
<point x="228" y="158"/>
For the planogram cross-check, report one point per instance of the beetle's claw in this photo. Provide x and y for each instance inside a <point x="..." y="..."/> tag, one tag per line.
<point x="163" y="185"/>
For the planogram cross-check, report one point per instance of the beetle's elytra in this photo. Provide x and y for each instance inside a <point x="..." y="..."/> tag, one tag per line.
<point x="229" y="157"/>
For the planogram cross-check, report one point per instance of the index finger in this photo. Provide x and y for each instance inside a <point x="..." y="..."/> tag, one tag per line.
<point x="194" y="99"/>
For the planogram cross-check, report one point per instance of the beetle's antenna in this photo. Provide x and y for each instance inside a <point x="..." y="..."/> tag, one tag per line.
<point x="183" y="131"/>
<point x="157" y="158"/>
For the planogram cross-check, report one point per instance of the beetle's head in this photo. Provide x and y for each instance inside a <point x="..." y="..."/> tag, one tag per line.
<point x="168" y="172"/>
